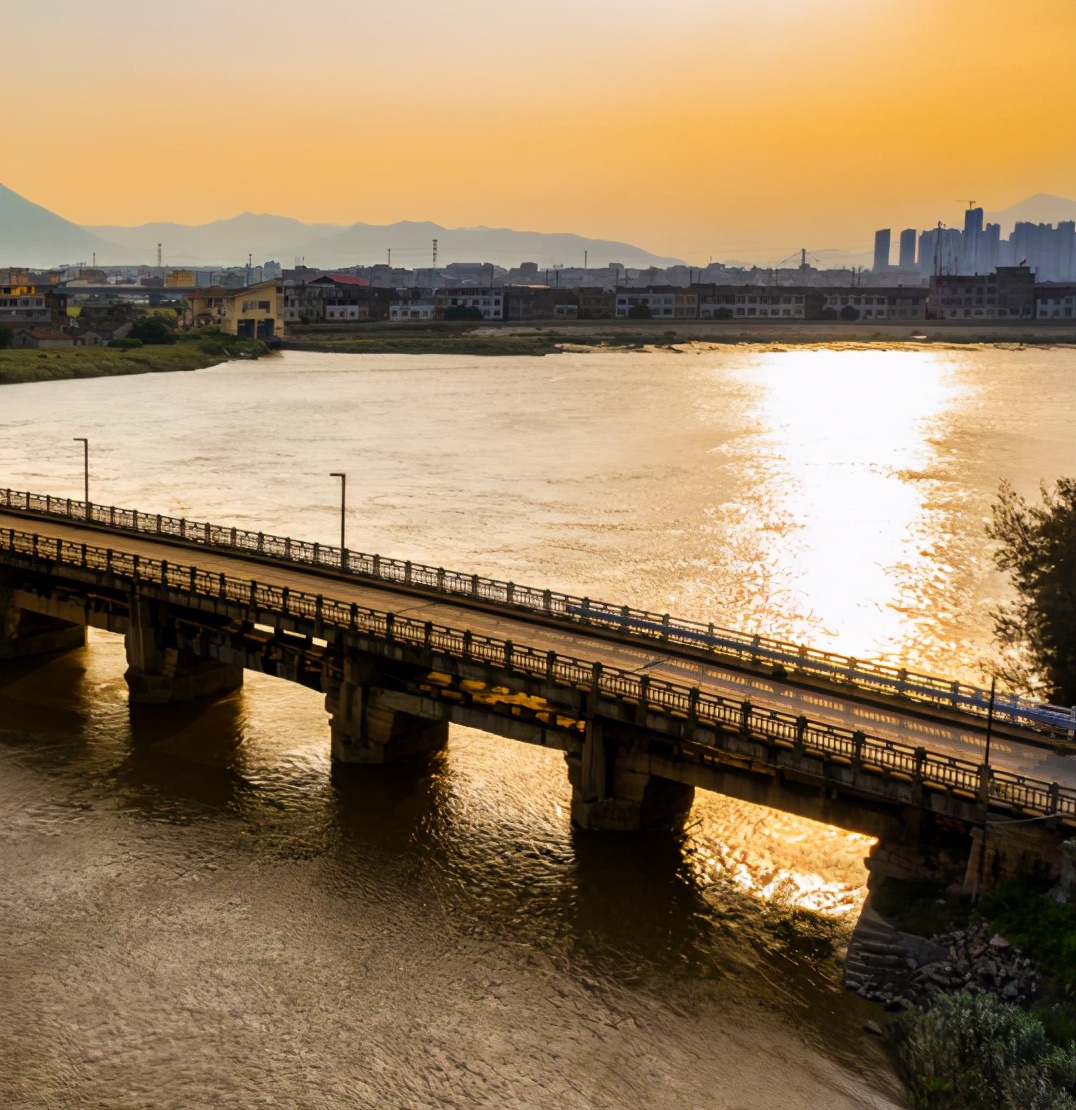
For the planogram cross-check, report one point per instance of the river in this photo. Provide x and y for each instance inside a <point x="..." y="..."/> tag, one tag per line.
<point x="197" y="910"/>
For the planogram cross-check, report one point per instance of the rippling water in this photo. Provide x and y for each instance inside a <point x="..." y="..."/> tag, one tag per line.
<point x="196" y="910"/>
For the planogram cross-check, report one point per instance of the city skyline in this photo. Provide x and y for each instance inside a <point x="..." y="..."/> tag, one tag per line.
<point x="714" y="133"/>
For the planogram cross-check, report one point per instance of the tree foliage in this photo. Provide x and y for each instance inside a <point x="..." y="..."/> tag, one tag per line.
<point x="640" y="311"/>
<point x="6" y="335"/>
<point x="1037" y="548"/>
<point x="974" y="1052"/>
<point x="152" y="329"/>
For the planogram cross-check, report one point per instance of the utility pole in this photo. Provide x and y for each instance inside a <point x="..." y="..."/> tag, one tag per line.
<point x="435" y="254"/>
<point x="158" y="256"/>
<point x="586" y="258"/>
<point x="390" y="258"/>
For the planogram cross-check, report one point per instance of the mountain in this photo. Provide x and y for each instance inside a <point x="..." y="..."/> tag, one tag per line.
<point x="33" y="236"/>
<point x="222" y="242"/>
<point x="1042" y="208"/>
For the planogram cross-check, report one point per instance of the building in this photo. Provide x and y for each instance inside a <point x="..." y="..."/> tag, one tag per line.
<point x="24" y="305"/>
<point x="1055" y="300"/>
<point x="596" y="304"/>
<point x="488" y="301"/>
<point x="180" y="278"/>
<point x="663" y="301"/>
<point x="413" y="310"/>
<point x="882" y="243"/>
<point x="1008" y="293"/>
<point x="256" y="312"/>
<point x="741" y="302"/>
<point x="907" y="249"/>
<point x="45" y="339"/>
<point x="899" y="303"/>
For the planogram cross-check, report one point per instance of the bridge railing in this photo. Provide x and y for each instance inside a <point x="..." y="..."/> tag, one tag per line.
<point x="723" y="643"/>
<point x="892" y="758"/>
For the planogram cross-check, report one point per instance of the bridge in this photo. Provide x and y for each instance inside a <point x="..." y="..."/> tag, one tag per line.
<point x="646" y="708"/>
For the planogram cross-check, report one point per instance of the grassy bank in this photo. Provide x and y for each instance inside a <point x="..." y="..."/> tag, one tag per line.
<point x="431" y="345"/>
<point x="194" y="351"/>
<point x="972" y="1051"/>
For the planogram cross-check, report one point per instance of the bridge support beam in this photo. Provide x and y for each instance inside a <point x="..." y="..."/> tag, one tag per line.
<point x="372" y="725"/>
<point x="608" y="795"/>
<point x="158" y="672"/>
<point x="24" y="633"/>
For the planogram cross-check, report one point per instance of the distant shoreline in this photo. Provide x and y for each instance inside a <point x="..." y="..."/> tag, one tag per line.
<point x="22" y="366"/>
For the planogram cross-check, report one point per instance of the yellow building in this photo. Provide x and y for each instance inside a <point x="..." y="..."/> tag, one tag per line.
<point x="179" y="277"/>
<point x="256" y="312"/>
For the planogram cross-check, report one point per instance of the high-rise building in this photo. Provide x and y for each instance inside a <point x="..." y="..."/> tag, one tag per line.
<point x="971" y="246"/>
<point x="907" y="249"/>
<point x="881" y="250"/>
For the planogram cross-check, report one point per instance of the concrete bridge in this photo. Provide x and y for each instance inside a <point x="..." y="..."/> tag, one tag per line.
<point x="643" y="719"/>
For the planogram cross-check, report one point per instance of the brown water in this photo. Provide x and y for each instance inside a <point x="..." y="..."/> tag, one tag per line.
<point x="195" y="910"/>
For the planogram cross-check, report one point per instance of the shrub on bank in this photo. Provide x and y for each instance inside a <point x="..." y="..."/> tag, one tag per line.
<point x="974" y="1052"/>
<point x="126" y="344"/>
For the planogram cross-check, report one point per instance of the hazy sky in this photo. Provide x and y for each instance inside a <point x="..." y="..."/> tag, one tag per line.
<point x="732" y="128"/>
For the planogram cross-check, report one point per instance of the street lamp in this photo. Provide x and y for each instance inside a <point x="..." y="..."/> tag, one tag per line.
<point x="85" y="471"/>
<point x="343" y="514"/>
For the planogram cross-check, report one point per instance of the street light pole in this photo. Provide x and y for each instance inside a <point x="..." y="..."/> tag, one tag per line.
<point x="343" y="515"/>
<point x="85" y="471"/>
<point x="986" y="776"/>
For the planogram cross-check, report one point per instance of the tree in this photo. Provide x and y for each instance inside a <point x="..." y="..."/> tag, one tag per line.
<point x="829" y="313"/>
<point x="6" y="335"/>
<point x="153" y="329"/>
<point x="849" y="312"/>
<point x="640" y="311"/>
<point x="1037" y="631"/>
<point x="463" y="312"/>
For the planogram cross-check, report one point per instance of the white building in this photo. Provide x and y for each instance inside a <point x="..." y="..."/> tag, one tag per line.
<point x="490" y="302"/>
<point x="1055" y="302"/>
<point x="413" y="310"/>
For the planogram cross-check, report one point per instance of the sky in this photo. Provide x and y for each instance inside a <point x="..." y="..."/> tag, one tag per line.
<point x="694" y="128"/>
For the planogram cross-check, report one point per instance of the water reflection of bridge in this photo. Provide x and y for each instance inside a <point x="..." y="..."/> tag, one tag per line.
<point x="643" y="714"/>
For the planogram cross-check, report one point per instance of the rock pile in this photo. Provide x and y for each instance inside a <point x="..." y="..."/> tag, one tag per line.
<point x="901" y="970"/>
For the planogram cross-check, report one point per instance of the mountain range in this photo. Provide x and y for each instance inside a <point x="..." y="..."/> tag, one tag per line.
<point x="31" y="235"/>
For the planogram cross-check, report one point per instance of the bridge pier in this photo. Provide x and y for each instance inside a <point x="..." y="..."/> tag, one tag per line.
<point x="158" y="672"/>
<point x="608" y="795"/>
<point x="24" y="633"/>
<point x="373" y="725"/>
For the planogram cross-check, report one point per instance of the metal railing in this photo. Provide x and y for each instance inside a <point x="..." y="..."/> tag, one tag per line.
<point x="723" y="643"/>
<point x="777" y="728"/>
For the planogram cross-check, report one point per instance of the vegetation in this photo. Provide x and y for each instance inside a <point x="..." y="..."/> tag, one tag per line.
<point x="153" y="329"/>
<point x="27" y="365"/>
<point x="1024" y="912"/>
<point x="639" y="312"/>
<point x="463" y="312"/>
<point x="1037" y="548"/>
<point x="436" y="344"/>
<point x="6" y="335"/>
<point x="974" y="1052"/>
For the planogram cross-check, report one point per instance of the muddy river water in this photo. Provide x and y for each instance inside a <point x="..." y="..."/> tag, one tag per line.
<point x="197" y="910"/>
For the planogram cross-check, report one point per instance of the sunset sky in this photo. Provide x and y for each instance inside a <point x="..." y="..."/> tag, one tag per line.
<point x="695" y="128"/>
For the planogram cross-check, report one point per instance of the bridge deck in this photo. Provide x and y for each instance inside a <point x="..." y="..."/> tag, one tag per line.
<point x="943" y="737"/>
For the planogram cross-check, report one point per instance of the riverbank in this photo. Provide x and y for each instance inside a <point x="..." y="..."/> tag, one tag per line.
<point x="194" y="353"/>
<point x="437" y="337"/>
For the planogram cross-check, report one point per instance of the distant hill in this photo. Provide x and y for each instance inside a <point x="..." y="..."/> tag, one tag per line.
<point x="33" y="236"/>
<point x="1039" y="209"/>
<point x="327" y="245"/>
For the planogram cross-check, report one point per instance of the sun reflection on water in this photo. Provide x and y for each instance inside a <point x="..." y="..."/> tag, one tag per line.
<point x="840" y="437"/>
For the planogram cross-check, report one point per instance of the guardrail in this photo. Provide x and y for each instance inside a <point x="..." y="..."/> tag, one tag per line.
<point x="722" y="643"/>
<point x="987" y="785"/>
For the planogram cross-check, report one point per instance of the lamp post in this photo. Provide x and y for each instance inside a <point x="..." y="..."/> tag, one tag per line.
<point x="85" y="471"/>
<point x="343" y="515"/>
<point x="986" y="777"/>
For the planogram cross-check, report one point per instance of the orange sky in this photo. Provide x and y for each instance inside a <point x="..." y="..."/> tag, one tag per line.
<point x="695" y="128"/>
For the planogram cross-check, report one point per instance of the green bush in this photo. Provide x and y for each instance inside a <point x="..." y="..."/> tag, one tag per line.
<point x="127" y="344"/>
<point x="1025" y="913"/>
<point x="974" y="1052"/>
<point x="6" y="335"/>
<point x="153" y="330"/>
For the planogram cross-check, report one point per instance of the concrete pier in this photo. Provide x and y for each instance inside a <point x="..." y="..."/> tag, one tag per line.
<point x="158" y="672"/>
<point x="612" y="793"/>
<point x="24" y="633"/>
<point x="369" y="724"/>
